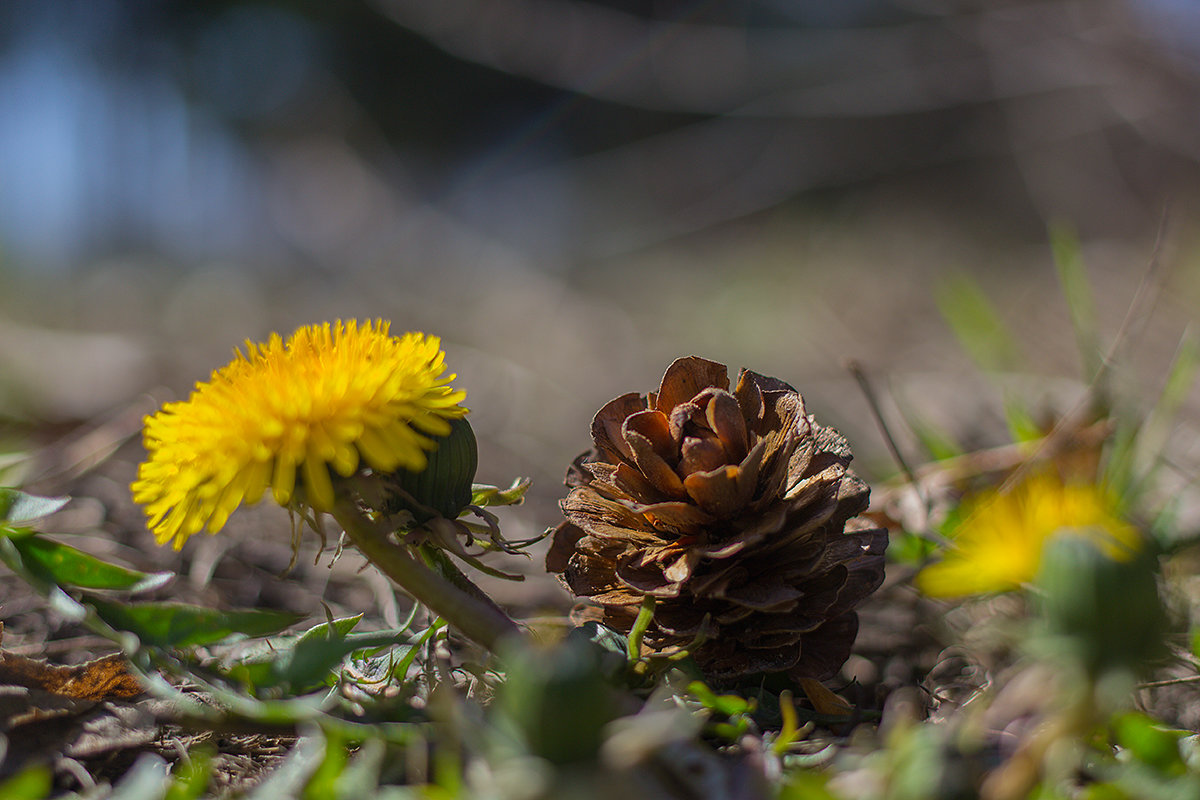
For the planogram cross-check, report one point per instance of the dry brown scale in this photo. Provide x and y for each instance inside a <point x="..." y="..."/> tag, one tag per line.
<point x="736" y="511"/>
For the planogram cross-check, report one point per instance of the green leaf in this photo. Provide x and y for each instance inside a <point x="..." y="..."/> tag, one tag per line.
<point x="731" y="705"/>
<point x="909" y="548"/>
<point x="1104" y="791"/>
<point x="1157" y="429"/>
<point x="360" y="778"/>
<point x="806" y="785"/>
<point x="487" y="569"/>
<point x="322" y="784"/>
<point x="1077" y="290"/>
<point x="608" y="639"/>
<point x="307" y="661"/>
<point x="269" y="649"/>
<point x="58" y="599"/>
<point x="191" y="775"/>
<point x="12" y="464"/>
<point x="484" y="495"/>
<point x="68" y="566"/>
<point x="614" y="647"/>
<point x="18" y="507"/>
<point x="1119" y="473"/>
<point x="1022" y="427"/>
<point x="939" y="444"/>
<point x="181" y="625"/>
<point x="978" y="326"/>
<point x="32" y="783"/>
<point x="559" y="699"/>
<point x="402" y="667"/>
<point x="1150" y="741"/>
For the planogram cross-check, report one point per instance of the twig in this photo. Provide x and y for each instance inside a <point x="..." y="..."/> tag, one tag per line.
<point x="910" y="474"/>
<point x="868" y="391"/>
<point x="1169" y="682"/>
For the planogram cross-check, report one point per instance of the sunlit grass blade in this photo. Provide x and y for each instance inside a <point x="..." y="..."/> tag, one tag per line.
<point x="937" y="443"/>
<point x="1156" y="430"/>
<point x="989" y="343"/>
<point x="1077" y="290"/>
<point x="978" y="326"/>
<point x="191" y="775"/>
<point x="730" y="705"/>
<point x="323" y="781"/>
<point x="1137" y="443"/>
<point x="1022" y="427"/>
<point x="406" y="661"/>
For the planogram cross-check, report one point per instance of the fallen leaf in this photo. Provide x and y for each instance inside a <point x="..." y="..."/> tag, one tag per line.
<point x="823" y="700"/>
<point x="102" y="679"/>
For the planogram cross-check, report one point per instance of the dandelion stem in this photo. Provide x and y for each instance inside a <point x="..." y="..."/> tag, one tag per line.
<point x="480" y="621"/>
<point x="440" y="563"/>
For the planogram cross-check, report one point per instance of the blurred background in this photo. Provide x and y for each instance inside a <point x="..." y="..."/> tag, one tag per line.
<point x="572" y="193"/>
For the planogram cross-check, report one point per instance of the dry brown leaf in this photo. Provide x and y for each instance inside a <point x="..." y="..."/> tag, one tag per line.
<point x="102" y="679"/>
<point x="823" y="700"/>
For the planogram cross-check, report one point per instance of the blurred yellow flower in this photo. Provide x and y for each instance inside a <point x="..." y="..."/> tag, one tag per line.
<point x="1000" y="542"/>
<point x="330" y="396"/>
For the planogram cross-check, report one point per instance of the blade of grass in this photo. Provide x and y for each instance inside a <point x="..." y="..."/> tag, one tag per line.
<point x="987" y="340"/>
<point x="978" y="326"/>
<point x="1077" y="291"/>
<point x="1136" y="314"/>
<point x="1150" y="437"/>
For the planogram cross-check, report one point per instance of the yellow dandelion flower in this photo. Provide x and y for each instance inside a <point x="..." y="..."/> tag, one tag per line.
<point x="999" y="544"/>
<point x="330" y="397"/>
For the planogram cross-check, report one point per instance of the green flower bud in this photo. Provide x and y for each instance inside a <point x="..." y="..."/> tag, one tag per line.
<point x="1105" y="611"/>
<point x="559" y="700"/>
<point x="443" y="488"/>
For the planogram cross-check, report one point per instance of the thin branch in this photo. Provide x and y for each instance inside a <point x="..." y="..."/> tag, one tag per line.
<point x="868" y="391"/>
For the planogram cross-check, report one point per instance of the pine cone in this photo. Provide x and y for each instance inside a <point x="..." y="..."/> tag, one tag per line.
<point x="736" y="511"/>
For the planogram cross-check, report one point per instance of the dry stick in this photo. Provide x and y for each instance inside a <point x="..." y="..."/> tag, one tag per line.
<point x="999" y="459"/>
<point x="1169" y="682"/>
<point x="860" y="375"/>
<point x="478" y="620"/>
<point x="1069" y="423"/>
<point x="868" y="391"/>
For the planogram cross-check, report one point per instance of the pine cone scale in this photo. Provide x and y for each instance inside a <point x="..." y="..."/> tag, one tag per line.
<point x="731" y="509"/>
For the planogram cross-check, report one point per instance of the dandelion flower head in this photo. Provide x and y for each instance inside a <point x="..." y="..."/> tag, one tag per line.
<point x="999" y="544"/>
<point x="282" y="413"/>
